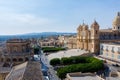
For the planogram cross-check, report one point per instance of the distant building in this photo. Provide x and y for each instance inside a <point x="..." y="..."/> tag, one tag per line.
<point x="17" y="51"/>
<point x="50" y="42"/>
<point x="26" y="71"/>
<point x="82" y="76"/>
<point x="71" y="44"/>
<point x="68" y="41"/>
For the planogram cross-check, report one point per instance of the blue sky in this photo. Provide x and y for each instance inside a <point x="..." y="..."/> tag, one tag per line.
<point x="26" y="16"/>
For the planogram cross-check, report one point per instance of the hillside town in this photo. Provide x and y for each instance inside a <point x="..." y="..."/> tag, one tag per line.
<point x="59" y="40"/>
<point x="91" y="54"/>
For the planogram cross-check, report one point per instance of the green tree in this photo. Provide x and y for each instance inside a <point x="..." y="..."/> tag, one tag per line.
<point x="87" y="64"/>
<point x="36" y="50"/>
<point x="66" y="61"/>
<point x="55" y="61"/>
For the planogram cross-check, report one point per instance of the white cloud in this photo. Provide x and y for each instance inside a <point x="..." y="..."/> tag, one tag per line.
<point x="20" y="23"/>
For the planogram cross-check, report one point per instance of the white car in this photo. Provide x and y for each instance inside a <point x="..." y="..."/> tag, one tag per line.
<point x="46" y="78"/>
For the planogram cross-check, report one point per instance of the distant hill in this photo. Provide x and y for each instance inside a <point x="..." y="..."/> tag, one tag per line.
<point x="34" y="35"/>
<point x="51" y="33"/>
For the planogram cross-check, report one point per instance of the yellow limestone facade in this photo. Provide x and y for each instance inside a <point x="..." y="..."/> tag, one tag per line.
<point x="88" y="39"/>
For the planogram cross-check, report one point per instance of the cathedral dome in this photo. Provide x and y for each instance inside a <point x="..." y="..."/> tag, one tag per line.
<point x="116" y="21"/>
<point x="95" y="25"/>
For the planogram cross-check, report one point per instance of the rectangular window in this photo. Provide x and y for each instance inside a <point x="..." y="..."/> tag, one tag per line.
<point x="119" y="56"/>
<point x="112" y="55"/>
<point x="118" y="49"/>
<point x="112" y="49"/>
<point x="107" y="48"/>
<point x="101" y="47"/>
<point x="101" y="53"/>
<point x="96" y="31"/>
<point x="106" y="54"/>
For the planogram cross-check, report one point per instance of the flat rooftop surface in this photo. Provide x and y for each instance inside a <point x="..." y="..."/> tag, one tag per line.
<point x="112" y="78"/>
<point x="86" y="78"/>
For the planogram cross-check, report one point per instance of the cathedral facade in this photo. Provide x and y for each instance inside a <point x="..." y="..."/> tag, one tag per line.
<point x="90" y="39"/>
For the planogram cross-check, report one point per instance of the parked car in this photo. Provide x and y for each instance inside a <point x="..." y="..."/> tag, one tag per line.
<point x="116" y="65"/>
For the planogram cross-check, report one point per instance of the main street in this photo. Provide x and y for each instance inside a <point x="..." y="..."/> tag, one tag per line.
<point x="51" y="72"/>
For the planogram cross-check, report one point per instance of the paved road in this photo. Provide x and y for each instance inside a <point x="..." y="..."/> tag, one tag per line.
<point x="111" y="67"/>
<point x="51" y="72"/>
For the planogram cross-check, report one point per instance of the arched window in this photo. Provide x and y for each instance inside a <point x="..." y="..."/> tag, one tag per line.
<point x="26" y="59"/>
<point x="2" y="59"/>
<point x="14" y="59"/>
<point x="20" y="59"/>
<point x="96" y="31"/>
<point x="118" y="27"/>
<point x="8" y="59"/>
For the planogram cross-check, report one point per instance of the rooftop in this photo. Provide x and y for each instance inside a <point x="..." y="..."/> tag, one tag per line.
<point x="83" y="76"/>
<point x="26" y="71"/>
<point x="105" y="30"/>
<point x="112" y="78"/>
<point x="33" y="72"/>
<point x="112" y="43"/>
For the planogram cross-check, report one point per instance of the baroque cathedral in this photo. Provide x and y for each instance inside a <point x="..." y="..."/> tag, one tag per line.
<point x="90" y="39"/>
